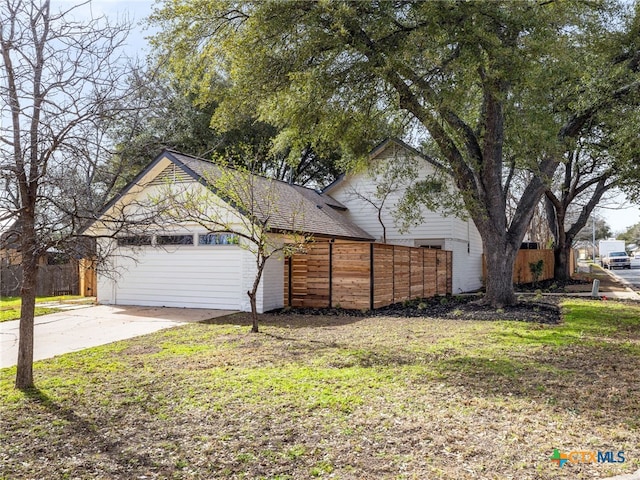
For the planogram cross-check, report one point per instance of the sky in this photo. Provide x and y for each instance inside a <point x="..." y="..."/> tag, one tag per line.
<point x="619" y="215"/>
<point x="134" y="10"/>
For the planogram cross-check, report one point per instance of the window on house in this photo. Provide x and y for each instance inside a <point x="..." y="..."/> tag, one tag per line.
<point x="174" y="240"/>
<point x="218" y="239"/>
<point x="134" y="240"/>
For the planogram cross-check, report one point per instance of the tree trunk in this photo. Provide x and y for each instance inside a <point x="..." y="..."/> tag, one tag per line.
<point x="499" y="276"/>
<point x="254" y="311"/>
<point x="384" y="229"/>
<point x="24" y="374"/>
<point x="561" y="266"/>
<point x="253" y="293"/>
<point x="562" y="246"/>
<point x="561" y="255"/>
<point x="499" y="254"/>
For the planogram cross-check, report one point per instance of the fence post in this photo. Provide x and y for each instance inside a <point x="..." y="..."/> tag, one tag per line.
<point x="371" y="276"/>
<point x="450" y="273"/>
<point x="393" y="274"/>
<point x="330" y="274"/>
<point x="422" y="272"/>
<point x="437" y="262"/>
<point x="290" y="281"/>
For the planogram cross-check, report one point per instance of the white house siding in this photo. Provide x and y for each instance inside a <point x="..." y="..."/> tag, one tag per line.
<point x="467" y="266"/>
<point x="270" y="290"/>
<point x="185" y="276"/>
<point x="365" y="216"/>
<point x="106" y="272"/>
<point x="475" y="280"/>
<point x="467" y="257"/>
<point x="434" y="225"/>
<point x="105" y="287"/>
<point x="273" y="284"/>
<point x="450" y="233"/>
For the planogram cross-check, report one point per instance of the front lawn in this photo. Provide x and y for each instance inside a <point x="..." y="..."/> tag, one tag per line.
<point x="10" y="306"/>
<point x="336" y="397"/>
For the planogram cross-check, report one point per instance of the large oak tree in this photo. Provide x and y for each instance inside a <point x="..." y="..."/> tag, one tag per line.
<point x="495" y="86"/>
<point x="601" y="163"/>
<point x="604" y="159"/>
<point x="170" y="116"/>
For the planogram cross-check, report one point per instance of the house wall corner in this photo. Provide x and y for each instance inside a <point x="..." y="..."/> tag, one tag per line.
<point x="269" y="295"/>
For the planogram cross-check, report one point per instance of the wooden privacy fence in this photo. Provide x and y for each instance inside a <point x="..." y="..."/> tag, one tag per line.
<point x="52" y="280"/>
<point x="88" y="278"/>
<point x="362" y="275"/>
<point x="521" y="267"/>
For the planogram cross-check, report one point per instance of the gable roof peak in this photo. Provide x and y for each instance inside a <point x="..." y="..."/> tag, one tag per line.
<point x="381" y="148"/>
<point x="289" y="197"/>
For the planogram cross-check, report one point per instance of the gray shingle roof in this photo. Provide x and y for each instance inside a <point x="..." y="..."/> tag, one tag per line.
<point x="281" y="205"/>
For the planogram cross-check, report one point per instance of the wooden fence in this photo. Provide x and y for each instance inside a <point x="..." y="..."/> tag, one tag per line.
<point x="88" y="278"/>
<point x="362" y="275"/>
<point x="52" y="280"/>
<point x="522" y="269"/>
<point x="522" y="266"/>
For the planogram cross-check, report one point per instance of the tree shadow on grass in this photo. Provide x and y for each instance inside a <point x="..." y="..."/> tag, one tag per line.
<point x="289" y="320"/>
<point x="82" y="434"/>
<point x="596" y="382"/>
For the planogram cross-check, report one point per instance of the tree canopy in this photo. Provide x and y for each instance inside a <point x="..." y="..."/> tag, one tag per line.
<point x="492" y="87"/>
<point x="631" y="235"/>
<point x="169" y="115"/>
<point x="604" y="159"/>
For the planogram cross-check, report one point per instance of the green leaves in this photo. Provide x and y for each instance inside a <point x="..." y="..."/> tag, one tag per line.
<point x="347" y="72"/>
<point x="494" y="87"/>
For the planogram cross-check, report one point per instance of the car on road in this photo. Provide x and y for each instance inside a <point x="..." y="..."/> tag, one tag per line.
<point x="635" y="261"/>
<point x="616" y="260"/>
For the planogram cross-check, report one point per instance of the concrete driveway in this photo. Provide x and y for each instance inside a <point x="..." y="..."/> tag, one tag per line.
<point x="74" y="330"/>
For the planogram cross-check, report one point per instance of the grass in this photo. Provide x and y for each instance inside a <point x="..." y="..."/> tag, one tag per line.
<point x="336" y="397"/>
<point x="10" y="306"/>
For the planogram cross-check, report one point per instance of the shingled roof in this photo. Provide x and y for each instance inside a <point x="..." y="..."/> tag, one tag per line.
<point x="289" y="207"/>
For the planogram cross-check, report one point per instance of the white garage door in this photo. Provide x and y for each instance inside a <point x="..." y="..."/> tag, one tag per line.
<point x="183" y="276"/>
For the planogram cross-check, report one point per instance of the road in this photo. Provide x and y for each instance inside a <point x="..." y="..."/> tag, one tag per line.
<point x="630" y="278"/>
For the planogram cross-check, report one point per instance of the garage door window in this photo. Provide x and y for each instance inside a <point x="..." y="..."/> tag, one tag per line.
<point x="174" y="240"/>
<point x="218" y="239"/>
<point x="134" y="241"/>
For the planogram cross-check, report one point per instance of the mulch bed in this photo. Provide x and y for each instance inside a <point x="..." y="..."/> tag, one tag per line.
<point x="459" y="307"/>
<point x="468" y="307"/>
<point x="556" y="286"/>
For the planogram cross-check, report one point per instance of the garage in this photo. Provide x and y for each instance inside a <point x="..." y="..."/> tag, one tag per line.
<point x="205" y="258"/>
<point x="193" y="276"/>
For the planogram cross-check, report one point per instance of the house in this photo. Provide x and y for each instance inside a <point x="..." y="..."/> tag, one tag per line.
<point x="186" y="265"/>
<point x="439" y="231"/>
